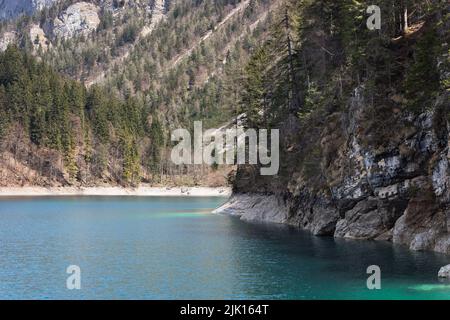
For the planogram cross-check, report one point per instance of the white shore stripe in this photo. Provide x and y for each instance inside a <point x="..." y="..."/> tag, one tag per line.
<point x="116" y="191"/>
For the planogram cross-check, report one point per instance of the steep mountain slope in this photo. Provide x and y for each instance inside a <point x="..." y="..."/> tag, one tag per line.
<point x="158" y="13"/>
<point x="149" y="66"/>
<point x="364" y="119"/>
<point x="112" y="43"/>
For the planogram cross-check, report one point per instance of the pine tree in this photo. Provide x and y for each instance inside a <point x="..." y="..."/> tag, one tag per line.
<point x="3" y="113"/>
<point x="254" y="93"/>
<point x="42" y="104"/>
<point x="131" y="165"/>
<point x="156" y="134"/>
<point x="423" y="79"/>
<point x="97" y="110"/>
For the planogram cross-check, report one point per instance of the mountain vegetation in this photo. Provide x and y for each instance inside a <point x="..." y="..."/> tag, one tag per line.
<point x="364" y="119"/>
<point x="99" y="99"/>
<point x="318" y="52"/>
<point x="83" y="127"/>
<point x="148" y="67"/>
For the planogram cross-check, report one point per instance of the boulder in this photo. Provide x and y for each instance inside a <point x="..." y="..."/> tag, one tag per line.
<point x="444" y="272"/>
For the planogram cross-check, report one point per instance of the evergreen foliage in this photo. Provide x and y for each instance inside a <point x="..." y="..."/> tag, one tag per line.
<point x="54" y="110"/>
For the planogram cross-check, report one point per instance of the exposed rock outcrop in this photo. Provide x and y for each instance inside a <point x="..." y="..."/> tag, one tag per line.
<point x="78" y="19"/>
<point x="158" y="14"/>
<point x="398" y="193"/>
<point x="12" y="8"/>
<point x="444" y="272"/>
<point x="373" y="160"/>
<point x="6" y="39"/>
<point x="395" y="190"/>
<point x="38" y="38"/>
<point x="255" y="208"/>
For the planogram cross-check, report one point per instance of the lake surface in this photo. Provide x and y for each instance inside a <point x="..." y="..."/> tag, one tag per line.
<point x="175" y="248"/>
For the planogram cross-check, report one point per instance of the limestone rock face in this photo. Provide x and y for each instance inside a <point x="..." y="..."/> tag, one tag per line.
<point x="12" y="8"/>
<point x="391" y="187"/>
<point x="369" y="219"/>
<point x="79" y="19"/>
<point x="255" y="208"/>
<point x="6" y="39"/>
<point x="38" y="38"/>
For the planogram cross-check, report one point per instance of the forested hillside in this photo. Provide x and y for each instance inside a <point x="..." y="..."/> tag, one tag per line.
<point x="52" y="128"/>
<point x="175" y="54"/>
<point x="137" y="70"/>
<point x="321" y="53"/>
<point x="364" y="118"/>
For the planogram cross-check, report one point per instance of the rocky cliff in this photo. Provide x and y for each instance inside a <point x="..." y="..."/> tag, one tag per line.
<point x="77" y="20"/>
<point x="399" y="192"/>
<point x="364" y="170"/>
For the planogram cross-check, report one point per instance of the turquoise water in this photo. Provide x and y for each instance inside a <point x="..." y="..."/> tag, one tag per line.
<point x="175" y="248"/>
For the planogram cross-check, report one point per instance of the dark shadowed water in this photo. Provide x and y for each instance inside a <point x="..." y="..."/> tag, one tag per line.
<point x="175" y="248"/>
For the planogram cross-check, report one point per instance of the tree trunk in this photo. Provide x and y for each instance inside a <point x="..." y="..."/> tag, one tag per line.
<point x="294" y="103"/>
<point x="403" y="16"/>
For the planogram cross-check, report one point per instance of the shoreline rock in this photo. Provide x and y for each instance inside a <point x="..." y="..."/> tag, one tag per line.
<point x="426" y="235"/>
<point x="255" y="208"/>
<point x="444" y="272"/>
